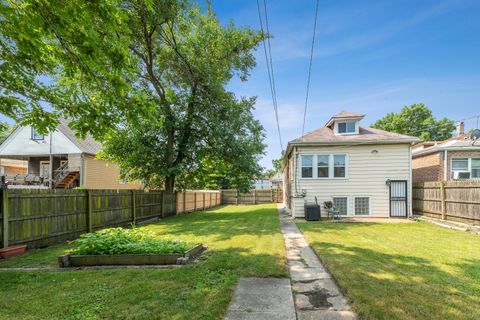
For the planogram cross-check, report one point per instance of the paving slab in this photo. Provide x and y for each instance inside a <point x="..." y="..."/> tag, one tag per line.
<point x="262" y="298"/>
<point x="316" y="295"/>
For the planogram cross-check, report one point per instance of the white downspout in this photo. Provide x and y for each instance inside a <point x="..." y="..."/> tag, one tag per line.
<point x="410" y="198"/>
<point x="445" y="165"/>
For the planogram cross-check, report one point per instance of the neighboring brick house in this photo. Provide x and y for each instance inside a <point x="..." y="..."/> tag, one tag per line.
<point x="453" y="159"/>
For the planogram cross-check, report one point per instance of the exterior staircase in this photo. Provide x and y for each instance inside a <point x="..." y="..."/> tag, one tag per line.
<point x="67" y="180"/>
<point x="64" y="178"/>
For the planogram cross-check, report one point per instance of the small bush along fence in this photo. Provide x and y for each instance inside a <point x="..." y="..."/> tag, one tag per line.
<point x="451" y="200"/>
<point x="43" y="217"/>
<point x="252" y="196"/>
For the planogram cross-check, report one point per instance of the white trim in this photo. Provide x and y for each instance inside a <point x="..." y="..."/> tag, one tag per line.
<point x="348" y="133"/>
<point x="369" y="206"/>
<point x="331" y="166"/>
<point x="469" y="166"/>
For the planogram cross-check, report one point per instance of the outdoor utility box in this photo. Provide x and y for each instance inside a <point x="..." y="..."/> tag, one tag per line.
<point x="312" y="211"/>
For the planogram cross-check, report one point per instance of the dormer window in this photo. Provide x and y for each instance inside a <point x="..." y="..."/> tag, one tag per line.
<point x="346" y="127"/>
<point x="37" y="135"/>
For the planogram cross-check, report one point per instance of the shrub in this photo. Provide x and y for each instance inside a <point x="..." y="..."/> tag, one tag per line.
<point x="126" y="241"/>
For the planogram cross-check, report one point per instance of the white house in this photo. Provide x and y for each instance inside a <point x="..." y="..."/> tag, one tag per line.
<point x="365" y="172"/>
<point x="63" y="159"/>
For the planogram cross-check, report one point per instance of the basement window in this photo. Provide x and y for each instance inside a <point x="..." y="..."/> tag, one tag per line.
<point x="341" y="204"/>
<point x="362" y="206"/>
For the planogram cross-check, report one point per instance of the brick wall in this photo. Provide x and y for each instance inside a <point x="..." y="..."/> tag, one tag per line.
<point x="430" y="167"/>
<point x="427" y="168"/>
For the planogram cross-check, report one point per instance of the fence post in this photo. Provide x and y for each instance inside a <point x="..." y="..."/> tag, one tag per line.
<point x="254" y="196"/>
<point x="134" y="208"/>
<point x="236" y="199"/>
<point x="89" y="212"/>
<point x="203" y="194"/>
<point x="194" y="201"/>
<point x="162" y="212"/>
<point x="442" y="195"/>
<point x="185" y="201"/>
<point x="5" y="217"/>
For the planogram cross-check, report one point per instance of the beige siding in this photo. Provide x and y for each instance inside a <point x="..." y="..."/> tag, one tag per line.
<point x="367" y="176"/>
<point x="100" y="174"/>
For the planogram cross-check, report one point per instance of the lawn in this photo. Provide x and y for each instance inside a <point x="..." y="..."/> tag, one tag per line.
<point x="242" y="241"/>
<point x="402" y="271"/>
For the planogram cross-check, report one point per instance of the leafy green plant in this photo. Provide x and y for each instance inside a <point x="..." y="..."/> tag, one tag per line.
<point x="126" y="241"/>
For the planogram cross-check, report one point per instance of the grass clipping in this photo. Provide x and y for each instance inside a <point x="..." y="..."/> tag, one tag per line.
<point x="116" y="241"/>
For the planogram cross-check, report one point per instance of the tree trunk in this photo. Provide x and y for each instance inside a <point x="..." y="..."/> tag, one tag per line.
<point x="170" y="183"/>
<point x="170" y="179"/>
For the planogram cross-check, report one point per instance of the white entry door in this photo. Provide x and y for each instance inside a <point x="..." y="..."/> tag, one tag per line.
<point x="45" y="169"/>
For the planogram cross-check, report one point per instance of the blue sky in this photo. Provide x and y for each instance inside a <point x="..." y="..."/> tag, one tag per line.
<point x="370" y="57"/>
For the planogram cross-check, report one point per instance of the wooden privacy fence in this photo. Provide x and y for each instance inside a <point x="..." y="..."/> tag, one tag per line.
<point x="44" y="217"/>
<point x="252" y="196"/>
<point x="192" y="200"/>
<point x="451" y="200"/>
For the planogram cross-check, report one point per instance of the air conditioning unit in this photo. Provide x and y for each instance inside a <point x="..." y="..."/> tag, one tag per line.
<point x="459" y="175"/>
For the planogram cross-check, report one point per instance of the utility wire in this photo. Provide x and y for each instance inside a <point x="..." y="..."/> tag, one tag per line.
<point x="268" y="59"/>
<point x="310" y="67"/>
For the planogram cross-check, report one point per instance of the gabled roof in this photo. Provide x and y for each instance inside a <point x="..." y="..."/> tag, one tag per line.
<point x="326" y="135"/>
<point x="87" y="145"/>
<point x="461" y="142"/>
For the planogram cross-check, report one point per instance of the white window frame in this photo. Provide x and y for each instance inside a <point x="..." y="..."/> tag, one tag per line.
<point x="469" y="166"/>
<point x="336" y="132"/>
<point x="348" y="203"/>
<point x="314" y="171"/>
<point x="34" y="131"/>
<point x="369" y="206"/>
<point x="330" y="166"/>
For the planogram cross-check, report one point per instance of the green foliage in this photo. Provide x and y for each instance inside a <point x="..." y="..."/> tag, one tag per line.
<point x="417" y="120"/>
<point x="147" y="76"/>
<point x="126" y="241"/>
<point x="5" y="130"/>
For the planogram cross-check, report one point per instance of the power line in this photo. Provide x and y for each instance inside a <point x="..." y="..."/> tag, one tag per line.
<point x="310" y="67"/>
<point x="268" y="59"/>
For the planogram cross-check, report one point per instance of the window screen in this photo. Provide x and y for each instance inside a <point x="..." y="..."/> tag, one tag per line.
<point x="322" y="164"/>
<point x="307" y="166"/>
<point x="346" y="127"/>
<point x="362" y="206"/>
<point x="341" y="204"/>
<point x="339" y="166"/>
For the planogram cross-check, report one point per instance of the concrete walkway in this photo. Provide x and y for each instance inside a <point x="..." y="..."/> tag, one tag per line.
<point x="316" y="295"/>
<point x="262" y="299"/>
<point x="309" y="294"/>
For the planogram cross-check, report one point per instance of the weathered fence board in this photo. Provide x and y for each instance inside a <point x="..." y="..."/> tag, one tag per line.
<point x="43" y="217"/>
<point x="451" y="200"/>
<point x="252" y="196"/>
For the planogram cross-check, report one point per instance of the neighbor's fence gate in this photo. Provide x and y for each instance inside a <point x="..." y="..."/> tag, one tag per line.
<point x="44" y="217"/>
<point x="451" y="200"/>
<point x="252" y="197"/>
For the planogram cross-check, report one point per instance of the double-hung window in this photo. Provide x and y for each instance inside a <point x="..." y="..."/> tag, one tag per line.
<point x="465" y="166"/>
<point x="339" y="166"/>
<point x="324" y="166"/>
<point x="307" y="166"/>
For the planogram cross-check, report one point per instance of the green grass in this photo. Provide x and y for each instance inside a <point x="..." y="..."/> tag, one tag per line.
<point x="402" y="271"/>
<point x="242" y="241"/>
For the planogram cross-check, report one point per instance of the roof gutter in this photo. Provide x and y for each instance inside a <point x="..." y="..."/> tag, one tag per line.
<point x="440" y="149"/>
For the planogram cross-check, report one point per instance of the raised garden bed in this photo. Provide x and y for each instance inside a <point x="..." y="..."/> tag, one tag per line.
<point x="69" y="260"/>
<point x="135" y="246"/>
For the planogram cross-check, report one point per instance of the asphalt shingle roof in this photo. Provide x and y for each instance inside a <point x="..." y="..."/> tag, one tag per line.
<point x="87" y="145"/>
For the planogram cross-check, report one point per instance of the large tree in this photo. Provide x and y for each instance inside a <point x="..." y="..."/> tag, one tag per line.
<point x="417" y="120"/>
<point x="147" y="76"/>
